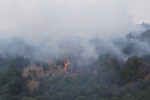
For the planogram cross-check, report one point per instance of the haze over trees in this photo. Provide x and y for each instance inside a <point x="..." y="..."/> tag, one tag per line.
<point x="109" y="77"/>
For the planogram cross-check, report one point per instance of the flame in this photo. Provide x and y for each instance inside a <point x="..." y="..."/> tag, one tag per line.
<point x="66" y="65"/>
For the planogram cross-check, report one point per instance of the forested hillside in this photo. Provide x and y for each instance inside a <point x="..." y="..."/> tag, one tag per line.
<point x="107" y="78"/>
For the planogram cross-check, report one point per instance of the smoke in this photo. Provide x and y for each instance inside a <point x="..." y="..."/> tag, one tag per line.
<point x="64" y="18"/>
<point x="81" y="28"/>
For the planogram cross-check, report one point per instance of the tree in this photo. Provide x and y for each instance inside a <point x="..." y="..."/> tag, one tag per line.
<point x="115" y="98"/>
<point x="134" y="63"/>
<point x="19" y="63"/>
<point x="82" y="98"/>
<point x="133" y="69"/>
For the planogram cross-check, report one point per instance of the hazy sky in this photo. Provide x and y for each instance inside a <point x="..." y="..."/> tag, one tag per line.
<point x="56" y="27"/>
<point x="62" y="18"/>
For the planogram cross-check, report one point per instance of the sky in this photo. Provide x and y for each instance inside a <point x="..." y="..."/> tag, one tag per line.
<point x="71" y="18"/>
<point x="55" y="27"/>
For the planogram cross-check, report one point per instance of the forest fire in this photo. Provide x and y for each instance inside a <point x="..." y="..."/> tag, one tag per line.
<point x="66" y="65"/>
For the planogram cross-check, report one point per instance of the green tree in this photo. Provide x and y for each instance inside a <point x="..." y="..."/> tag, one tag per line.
<point x="133" y="69"/>
<point x="82" y="98"/>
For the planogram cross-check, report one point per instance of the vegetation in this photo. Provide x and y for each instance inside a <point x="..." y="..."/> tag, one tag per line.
<point x="108" y="82"/>
<point x="107" y="78"/>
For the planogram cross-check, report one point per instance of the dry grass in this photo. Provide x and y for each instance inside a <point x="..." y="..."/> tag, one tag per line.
<point x="53" y="70"/>
<point x="33" y="85"/>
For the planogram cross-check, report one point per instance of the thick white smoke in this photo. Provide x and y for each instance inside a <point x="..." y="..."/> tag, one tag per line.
<point x="63" y="18"/>
<point x="55" y="27"/>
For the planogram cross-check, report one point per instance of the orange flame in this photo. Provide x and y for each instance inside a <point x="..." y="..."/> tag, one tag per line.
<point x="66" y="65"/>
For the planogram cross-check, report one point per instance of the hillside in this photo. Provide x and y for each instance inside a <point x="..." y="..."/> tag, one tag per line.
<point x="72" y="77"/>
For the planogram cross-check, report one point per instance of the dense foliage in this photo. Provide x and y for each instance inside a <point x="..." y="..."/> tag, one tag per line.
<point x="109" y="82"/>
